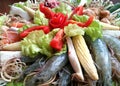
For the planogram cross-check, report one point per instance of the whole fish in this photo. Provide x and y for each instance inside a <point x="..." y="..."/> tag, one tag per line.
<point x="114" y="44"/>
<point x="103" y="61"/>
<point x="52" y="66"/>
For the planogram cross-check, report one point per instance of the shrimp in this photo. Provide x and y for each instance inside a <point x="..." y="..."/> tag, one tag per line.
<point x="115" y="69"/>
<point x="36" y="65"/>
<point x="115" y="33"/>
<point x="114" y="44"/>
<point x="103" y="61"/>
<point x="65" y="76"/>
<point x="51" y="68"/>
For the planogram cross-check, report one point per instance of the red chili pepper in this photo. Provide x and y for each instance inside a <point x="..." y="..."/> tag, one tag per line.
<point x="81" y="24"/>
<point x="47" y="12"/>
<point x="78" y="10"/>
<point x="46" y="30"/>
<point x="57" y="42"/>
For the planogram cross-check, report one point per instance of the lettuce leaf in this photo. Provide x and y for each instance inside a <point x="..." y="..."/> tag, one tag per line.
<point x="38" y="42"/>
<point x="63" y="8"/>
<point x="2" y="19"/>
<point x="73" y="30"/>
<point x="94" y="30"/>
<point x="15" y="83"/>
<point x="40" y="19"/>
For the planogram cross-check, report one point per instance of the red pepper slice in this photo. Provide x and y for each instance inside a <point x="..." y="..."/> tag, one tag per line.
<point x="81" y="24"/>
<point x="78" y="10"/>
<point x="58" y="20"/>
<point x="47" y="12"/>
<point x="89" y="21"/>
<point x="46" y="30"/>
<point x="57" y="42"/>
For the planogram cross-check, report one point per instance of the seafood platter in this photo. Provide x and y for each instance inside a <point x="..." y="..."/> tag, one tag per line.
<point x="60" y="43"/>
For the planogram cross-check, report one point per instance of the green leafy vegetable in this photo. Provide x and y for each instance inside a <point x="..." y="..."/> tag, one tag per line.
<point x="40" y="19"/>
<point x="73" y="30"/>
<point x="2" y="19"/>
<point x="14" y="84"/>
<point x="63" y="8"/>
<point x="95" y="28"/>
<point x="38" y="42"/>
<point x="22" y="4"/>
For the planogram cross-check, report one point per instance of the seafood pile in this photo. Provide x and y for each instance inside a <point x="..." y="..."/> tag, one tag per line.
<point x="60" y="43"/>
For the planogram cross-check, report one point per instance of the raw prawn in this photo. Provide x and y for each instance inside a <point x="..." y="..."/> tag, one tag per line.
<point x="103" y="61"/>
<point x="51" y="68"/>
<point x="114" y="44"/>
<point x="36" y="65"/>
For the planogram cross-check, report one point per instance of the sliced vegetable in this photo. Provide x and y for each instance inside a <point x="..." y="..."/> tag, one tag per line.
<point x="94" y="30"/>
<point x="77" y="10"/>
<point x="59" y="20"/>
<point x="46" y="30"/>
<point x="38" y="42"/>
<point x="57" y="41"/>
<point x="46" y="11"/>
<point x="83" y="24"/>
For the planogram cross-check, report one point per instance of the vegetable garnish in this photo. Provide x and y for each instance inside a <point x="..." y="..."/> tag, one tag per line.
<point x="59" y="20"/>
<point x="38" y="42"/>
<point x="57" y="41"/>
<point x="82" y="24"/>
<point x="94" y="28"/>
<point x="46" y="30"/>
<point x="77" y="10"/>
<point x="47" y="11"/>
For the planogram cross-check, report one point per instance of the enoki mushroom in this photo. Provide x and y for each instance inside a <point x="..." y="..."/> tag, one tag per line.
<point x="12" y="69"/>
